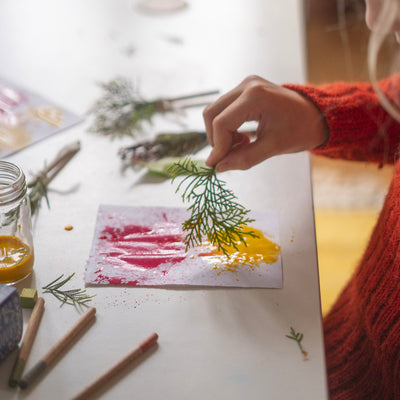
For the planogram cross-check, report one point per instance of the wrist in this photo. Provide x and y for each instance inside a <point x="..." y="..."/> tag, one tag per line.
<point x="315" y="124"/>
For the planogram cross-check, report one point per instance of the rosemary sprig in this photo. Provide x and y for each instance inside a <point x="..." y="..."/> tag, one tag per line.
<point x="72" y="296"/>
<point x="297" y="337"/>
<point x="215" y="213"/>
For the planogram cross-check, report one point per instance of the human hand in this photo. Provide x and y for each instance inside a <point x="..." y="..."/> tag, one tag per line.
<point x="287" y="123"/>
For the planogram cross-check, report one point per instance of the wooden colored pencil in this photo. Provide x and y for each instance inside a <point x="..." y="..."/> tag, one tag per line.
<point x="27" y="342"/>
<point x="52" y="354"/>
<point x="117" y="368"/>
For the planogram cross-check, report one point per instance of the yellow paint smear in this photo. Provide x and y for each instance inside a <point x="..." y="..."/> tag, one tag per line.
<point x="252" y="252"/>
<point x="16" y="259"/>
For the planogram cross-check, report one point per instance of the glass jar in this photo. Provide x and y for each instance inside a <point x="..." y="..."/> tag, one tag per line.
<point x="16" y="242"/>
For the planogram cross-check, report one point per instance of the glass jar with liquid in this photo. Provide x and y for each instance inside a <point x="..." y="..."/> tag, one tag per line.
<point x="16" y="242"/>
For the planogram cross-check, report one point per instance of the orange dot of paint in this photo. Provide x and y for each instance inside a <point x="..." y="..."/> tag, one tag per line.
<point x="69" y="227"/>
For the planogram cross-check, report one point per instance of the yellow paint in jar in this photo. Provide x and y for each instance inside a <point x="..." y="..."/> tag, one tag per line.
<point x="252" y="252"/>
<point x="16" y="259"/>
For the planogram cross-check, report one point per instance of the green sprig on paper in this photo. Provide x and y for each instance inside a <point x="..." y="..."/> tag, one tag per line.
<point x="71" y="296"/>
<point x="215" y="213"/>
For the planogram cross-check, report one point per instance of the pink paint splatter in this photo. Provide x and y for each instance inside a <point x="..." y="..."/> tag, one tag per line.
<point x="140" y="246"/>
<point x="126" y="252"/>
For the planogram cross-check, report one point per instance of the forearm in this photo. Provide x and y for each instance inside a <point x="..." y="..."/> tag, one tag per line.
<point x="358" y="128"/>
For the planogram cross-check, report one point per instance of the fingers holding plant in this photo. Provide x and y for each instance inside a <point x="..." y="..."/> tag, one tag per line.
<point x="287" y="123"/>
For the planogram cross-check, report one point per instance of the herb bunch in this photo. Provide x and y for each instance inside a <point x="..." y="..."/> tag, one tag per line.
<point x="121" y="110"/>
<point x="164" y="145"/>
<point x="215" y="213"/>
<point x="38" y="186"/>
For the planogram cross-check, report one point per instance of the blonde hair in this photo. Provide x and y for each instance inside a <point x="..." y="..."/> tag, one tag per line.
<point x="384" y="22"/>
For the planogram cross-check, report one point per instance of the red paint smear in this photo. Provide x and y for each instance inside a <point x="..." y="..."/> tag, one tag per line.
<point x="115" y="281"/>
<point x="141" y="246"/>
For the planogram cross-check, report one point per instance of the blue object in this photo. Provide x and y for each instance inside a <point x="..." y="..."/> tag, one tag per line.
<point x="11" y="321"/>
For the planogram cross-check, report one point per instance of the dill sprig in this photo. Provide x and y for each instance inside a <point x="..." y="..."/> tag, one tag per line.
<point x="215" y="213"/>
<point x="297" y="337"/>
<point x="71" y="296"/>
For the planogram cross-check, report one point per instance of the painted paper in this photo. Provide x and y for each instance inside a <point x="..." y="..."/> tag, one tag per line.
<point x="26" y="118"/>
<point x="144" y="246"/>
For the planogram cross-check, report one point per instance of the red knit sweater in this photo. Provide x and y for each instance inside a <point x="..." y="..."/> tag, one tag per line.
<point x="362" y="330"/>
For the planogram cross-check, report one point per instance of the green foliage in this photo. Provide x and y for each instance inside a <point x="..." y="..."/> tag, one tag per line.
<point x="71" y="296"/>
<point x="121" y="111"/>
<point x="215" y="213"/>
<point x="297" y="337"/>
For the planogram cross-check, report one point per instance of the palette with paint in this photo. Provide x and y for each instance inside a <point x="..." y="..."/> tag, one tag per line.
<point x="26" y="118"/>
<point x="144" y="246"/>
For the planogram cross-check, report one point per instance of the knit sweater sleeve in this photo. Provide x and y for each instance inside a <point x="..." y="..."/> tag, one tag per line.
<point x="359" y="127"/>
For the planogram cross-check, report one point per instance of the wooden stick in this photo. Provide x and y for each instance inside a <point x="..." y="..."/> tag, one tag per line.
<point x="118" y="367"/>
<point x="51" y="355"/>
<point x="27" y="342"/>
<point x="62" y="158"/>
<point x="194" y="95"/>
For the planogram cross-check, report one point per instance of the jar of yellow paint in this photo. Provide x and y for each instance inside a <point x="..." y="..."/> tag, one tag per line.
<point x="16" y="242"/>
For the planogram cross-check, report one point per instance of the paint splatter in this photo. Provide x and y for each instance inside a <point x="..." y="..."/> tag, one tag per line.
<point x="144" y="246"/>
<point x="251" y="254"/>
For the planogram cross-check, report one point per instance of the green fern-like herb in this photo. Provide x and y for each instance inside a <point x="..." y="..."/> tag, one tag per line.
<point x="215" y="213"/>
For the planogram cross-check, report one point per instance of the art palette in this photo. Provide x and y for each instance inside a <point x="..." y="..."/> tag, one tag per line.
<point x="26" y="118"/>
<point x="144" y="246"/>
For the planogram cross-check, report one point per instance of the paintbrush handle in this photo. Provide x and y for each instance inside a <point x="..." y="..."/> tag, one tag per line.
<point x="51" y="355"/>
<point x="27" y="342"/>
<point x="69" y="336"/>
<point x="117" y="368"/>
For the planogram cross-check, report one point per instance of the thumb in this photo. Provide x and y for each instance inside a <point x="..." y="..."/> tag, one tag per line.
<point x="244" y="156"/>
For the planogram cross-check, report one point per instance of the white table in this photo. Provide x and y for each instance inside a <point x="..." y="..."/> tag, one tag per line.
<point x="214" y="343"/>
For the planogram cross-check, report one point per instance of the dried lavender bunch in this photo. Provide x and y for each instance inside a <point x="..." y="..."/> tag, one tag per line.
<point x="164" y="145"/>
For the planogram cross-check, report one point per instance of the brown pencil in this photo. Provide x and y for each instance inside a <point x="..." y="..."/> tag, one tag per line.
<point x="27" y="342"/>
<point x="118" y="367"/>
<point x="52" y="354"/>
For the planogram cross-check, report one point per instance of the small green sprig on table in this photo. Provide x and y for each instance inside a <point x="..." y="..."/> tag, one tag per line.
<point x="71" y="296"/>
<point x="215" y="213"/>
<point x="297" y="337"/>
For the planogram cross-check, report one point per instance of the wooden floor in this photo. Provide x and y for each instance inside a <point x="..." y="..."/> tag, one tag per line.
<point x="347" y="195"/>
